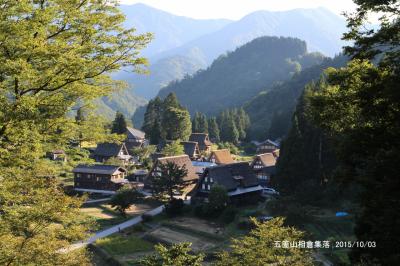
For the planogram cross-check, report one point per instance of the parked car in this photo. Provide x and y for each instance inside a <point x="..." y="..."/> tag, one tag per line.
<point x="270" y="191"/>
<point x="264" y="218"/>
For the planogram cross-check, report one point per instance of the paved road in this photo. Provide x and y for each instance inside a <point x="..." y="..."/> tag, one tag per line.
<point x="114" y="229"/>
<point x="97" y="200"/>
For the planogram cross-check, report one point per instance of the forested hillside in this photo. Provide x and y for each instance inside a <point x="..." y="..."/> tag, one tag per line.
<point x="235" y="78"/>
<point x="271" y="111"/>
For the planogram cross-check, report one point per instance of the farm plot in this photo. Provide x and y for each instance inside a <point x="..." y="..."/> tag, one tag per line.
<point x="167" y="235"/>
<point x="189" y="223"/>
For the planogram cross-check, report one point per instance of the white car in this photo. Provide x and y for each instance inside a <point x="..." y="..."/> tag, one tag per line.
<point x="270" y="191"/>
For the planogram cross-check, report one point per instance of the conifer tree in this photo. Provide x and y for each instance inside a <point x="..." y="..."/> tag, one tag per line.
<point x="213" y="129"/>
<point x="119" y="124"/>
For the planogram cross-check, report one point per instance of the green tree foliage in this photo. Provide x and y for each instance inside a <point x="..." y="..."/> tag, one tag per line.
<point x="176" y="124"/>
<point x="38" y="220"/>
<point x="170" y="180"/>
<point x="124" y="199"/>
<point x="176" y="255"/>
<point x="199" y="123"/>
<point x="218" y="200"/>
<point x="60" y="52"/>
<point x="233" y="125"/>
<point x="153" y="120"/>
<point x="307" y="159"/>
<point x="258" y="248"/>
<point x="360" y="106"/>
<point x="143" y="154"/>
<point x="213" y="129"/>
<point x="166" y="120"/>
<point x="172" y="149"/>
<point x="90" y="128"/>
<point x="119" y="124"/>
<point x="271" y="111"/>
<point x="237" y="77"/>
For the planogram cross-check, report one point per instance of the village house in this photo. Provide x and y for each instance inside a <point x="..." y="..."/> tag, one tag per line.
<point x="202" y="140"/>
<point x="191" y="149"/>
<point x="237" y="178"/>
<point x="99" y="177"/>
<point x="181" y="160"/>
<point x="221" y="157"/>
<point x="266" y="146"/>
<point x="105" y="151"/>
<point x="135" y="138"/>
<point x="264" y="167"/>
<point x="57" y="155"/>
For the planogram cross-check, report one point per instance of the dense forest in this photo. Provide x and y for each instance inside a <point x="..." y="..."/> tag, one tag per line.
<point x="345" y="133"/>
<point x="271" y="111"/>
<point x="236" y="77"/>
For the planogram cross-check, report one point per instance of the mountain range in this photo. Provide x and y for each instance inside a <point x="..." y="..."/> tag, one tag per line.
<point x="182" y="46"/>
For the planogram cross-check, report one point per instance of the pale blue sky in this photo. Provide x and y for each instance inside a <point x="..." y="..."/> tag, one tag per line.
<point x="236" y="9"/>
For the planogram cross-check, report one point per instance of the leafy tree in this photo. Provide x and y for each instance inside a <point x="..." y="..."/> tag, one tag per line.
<point x="90" y="128"/>
<point x="177" y="255"/>
<point x="227" y="145"/>
<point x="61" y="52"/>
<point x="124" y="199"/>
<point x="171" y="179"/>
<point x="176" y="124"/>
<point x="38" y="220"/>
<point x="119" y="124"/>
<point x="213" y="129"/>
<point x="360" y="106"/>
<point x="242" y="122"/>
<point x="143" y="153"/>
<point x="172" y="149"/>
<point x="218" y="199"/>
<point x="258" y="248"/>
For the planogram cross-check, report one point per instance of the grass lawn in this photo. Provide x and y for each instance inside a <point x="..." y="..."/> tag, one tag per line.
<point x="124" y="245"/>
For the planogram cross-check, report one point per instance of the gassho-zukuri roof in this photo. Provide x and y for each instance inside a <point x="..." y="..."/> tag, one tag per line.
<point x="98" y="169"/>
<point x="222" y="156"/>
<point x="108" y="149"/>
<point x="232" y="176"/>
<point x="267" y="159"/>
<point x="200" y="138"/>
<point x="181" y="160"/>
<point x="133" y="133"/>
<point x="189" y="147"/>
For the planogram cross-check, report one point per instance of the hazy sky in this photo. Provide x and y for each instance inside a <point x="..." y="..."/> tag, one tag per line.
<point x="236" y="9"/>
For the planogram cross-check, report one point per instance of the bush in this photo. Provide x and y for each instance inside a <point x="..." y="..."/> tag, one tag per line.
<point x="146" y="218"/>
<point x="244" y="225"/>
<point x="200" y="210"/>
<point x="174" y="207"/>
<point x="228" y="215"/>
<point x="138" y="228"/>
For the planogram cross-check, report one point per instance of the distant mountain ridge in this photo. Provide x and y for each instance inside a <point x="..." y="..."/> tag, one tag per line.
<point x="238" y="76"/>
<point x="183" y="46"/>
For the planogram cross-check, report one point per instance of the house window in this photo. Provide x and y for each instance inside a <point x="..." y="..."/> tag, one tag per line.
<point x="206" y="179"/>
<point x="203" y="186"/>
<point x="208" y="187"/>
<point x="211" y="179"/>
<point x="78" y="175"/>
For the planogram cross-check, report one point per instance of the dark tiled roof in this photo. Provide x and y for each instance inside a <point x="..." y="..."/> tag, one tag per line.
<point x="98" y="169"/>
<point x="190" y="147"/>
<point x="108" y="149"/>
<point x="181" y="160"/>
<point x="134" y="133"/>
<point x="268" y="141"/>
<point x="267" y="159"/>
<point x="200" y="138"/>
<point x="222" y="156"/>
<point x="232" y="176"/>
